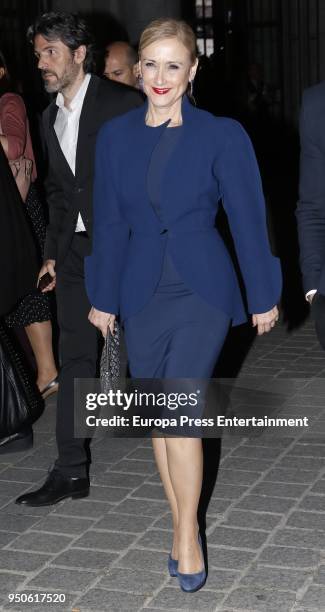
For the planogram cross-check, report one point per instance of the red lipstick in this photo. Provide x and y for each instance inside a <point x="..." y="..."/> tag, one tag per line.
<point x="161" y="90"/>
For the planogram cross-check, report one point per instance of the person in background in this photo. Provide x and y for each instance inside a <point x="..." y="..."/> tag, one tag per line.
<point x="311" y="204"/>
<point x="33" y="311"/>
<point x="19" y="268"/>
<point x="121" y="63"/>
<point x="158" y="260"/>
<point x="64" y="50"/>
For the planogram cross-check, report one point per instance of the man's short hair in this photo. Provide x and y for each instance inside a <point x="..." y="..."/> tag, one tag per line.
<point x="71" y="29"/>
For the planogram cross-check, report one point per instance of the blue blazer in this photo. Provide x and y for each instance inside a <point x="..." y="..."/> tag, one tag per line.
<point x="311" y="204"/>
<point x="212" y="159"/>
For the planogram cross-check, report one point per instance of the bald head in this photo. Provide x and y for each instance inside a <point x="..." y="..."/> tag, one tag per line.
<point x="120" y="63"/>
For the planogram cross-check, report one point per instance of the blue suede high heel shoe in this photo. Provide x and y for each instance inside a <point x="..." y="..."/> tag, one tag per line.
<point x="193" y="582"/>
<point x="172" y="566"/>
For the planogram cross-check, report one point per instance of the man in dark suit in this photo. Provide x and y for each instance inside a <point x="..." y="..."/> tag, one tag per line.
<point x="63" y="47"/>
<point x="311" y="204"/>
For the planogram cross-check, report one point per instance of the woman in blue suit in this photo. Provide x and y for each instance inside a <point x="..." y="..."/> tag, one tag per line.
<point x="158" y="260"/>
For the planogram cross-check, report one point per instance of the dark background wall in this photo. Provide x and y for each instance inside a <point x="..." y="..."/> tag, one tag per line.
<point x="286" y="37"/>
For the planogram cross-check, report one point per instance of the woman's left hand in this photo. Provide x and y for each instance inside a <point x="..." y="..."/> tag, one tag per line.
<point x="266" y="320"/>
<point x="102" y="320"/>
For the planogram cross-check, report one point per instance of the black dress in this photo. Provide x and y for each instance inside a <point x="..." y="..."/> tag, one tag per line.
<point x="35" y="306"/>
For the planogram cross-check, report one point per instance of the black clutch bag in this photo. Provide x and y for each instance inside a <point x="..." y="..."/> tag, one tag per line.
<point x="110" y="363"/>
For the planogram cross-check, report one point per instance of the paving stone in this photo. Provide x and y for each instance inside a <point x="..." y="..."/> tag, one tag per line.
<point x="265" y="503"/>
<point x="291" y="475"/>
<point x="276" y="578"/>
<point x="241" y="538"/>
<point x="114" y="601"/>
<point x="22" y="510"/>
<point x="243" y="463"/>
<point x="253" y="452"/>
<point x="304" y="538"/>
<point x="108" y="540"/>
<point x="302" y="463"/>
<point x="218" y="506"/>
<point x="309" y="520"/>
<point x="219" y="580"/>
<point x="253" y="520"/>
<point x="142" y="453"/>
<point x="165" y="522"/>
<point x="17" y="561"/>
<point x="112" y="495"/>
<point x="141" y="507"/>
<point x="64" y="524"/>
<point x="278" y="489"/>
<point x="123" y="522"/>
<point x="118" y="479"/>
<point x="228" y="491"/>
<point x="170" y="599"/>
<point x="237" y="476"/>
<point x="10" y="582"/>
<point x="22" y="475"/>
<point x="38" y="461"/>
<point x="6" y="538"/>
<point x="41" y="542"/>
<point x="17" y="523"/>
<point x="85" y="559"/>
<point x="308" y="450"/>
<point x="144" y="559"/>
<point x="288" y="557"/>
<point x="313" y="502"/>
<point x="13" y="489"/>
<point x="66" y="580"/>
<point x="131" y="580"/>
<point x="226" y="558"/>
<point x="269" y="439"/>
<point x="149" y="491"/>
<point x="156" y="539"/>
<point x="83" y="508"/>
<point x="319" y="487"/>
<point x="314" y="599"/>
<point x="135" y="466"/>
<point x="260" y="600"/>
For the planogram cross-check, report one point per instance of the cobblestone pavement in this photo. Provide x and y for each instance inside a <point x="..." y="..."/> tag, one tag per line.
<point x="265" y="522"/>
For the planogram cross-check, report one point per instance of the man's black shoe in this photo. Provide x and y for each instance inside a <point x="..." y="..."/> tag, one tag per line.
<point x="20" y="441"/>
<point x="56" y="487"/>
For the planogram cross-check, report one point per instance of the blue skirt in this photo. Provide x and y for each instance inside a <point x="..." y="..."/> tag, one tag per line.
<point x="177" y="334"/>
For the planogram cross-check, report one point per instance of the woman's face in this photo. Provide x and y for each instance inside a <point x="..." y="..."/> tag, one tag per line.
<point x="166" y="69"/>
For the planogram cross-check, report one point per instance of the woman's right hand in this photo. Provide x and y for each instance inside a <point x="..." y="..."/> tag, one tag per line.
<point x="102" y="320"/>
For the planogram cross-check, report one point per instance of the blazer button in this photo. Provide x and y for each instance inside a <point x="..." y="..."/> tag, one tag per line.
<point x="164" y="231"/>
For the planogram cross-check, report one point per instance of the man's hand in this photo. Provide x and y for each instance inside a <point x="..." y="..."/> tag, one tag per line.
<point x="265" y="321"/>
<point x="48" y="266"/>
<point x="102" y="320"/>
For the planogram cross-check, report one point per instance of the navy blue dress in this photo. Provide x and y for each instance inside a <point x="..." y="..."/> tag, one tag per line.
<point x="177" y="334"/>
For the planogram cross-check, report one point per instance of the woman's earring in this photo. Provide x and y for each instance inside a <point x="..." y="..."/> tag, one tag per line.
<point x="190" y="92"/>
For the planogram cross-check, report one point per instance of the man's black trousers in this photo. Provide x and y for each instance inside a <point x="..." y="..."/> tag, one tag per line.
<point x="78" y="354"/>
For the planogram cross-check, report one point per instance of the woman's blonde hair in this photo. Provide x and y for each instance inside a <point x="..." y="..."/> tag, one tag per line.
<point x="169" y="28"/>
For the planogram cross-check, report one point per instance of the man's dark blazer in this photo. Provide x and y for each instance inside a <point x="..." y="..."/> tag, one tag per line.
<point x="69" y="194"/>
<point x="311" y="204"/>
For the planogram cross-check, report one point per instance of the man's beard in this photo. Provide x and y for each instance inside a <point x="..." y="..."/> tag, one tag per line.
<point x="66" y="80"/>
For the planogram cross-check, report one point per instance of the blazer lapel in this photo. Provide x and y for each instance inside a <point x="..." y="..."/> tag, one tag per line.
<point x="58" y="153"/>
<point x="87" y="125"/>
